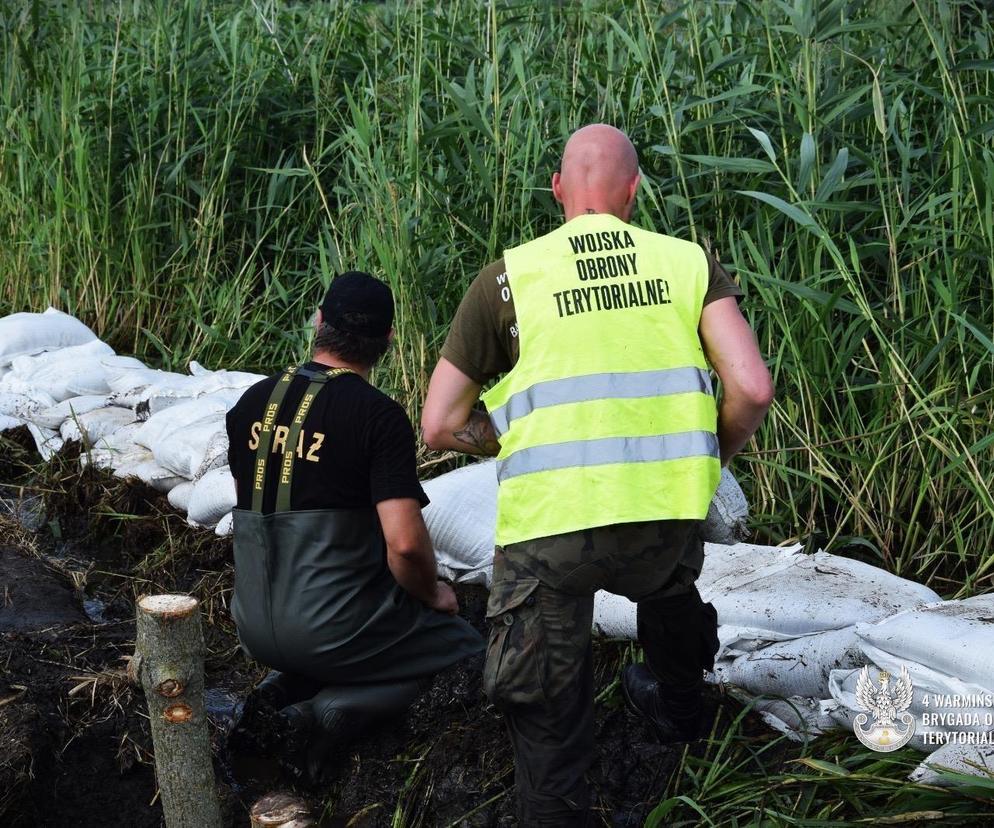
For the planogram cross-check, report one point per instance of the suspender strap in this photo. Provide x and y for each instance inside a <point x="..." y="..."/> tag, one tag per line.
<point x="294" y="447"/>
<point x="291" y="449"/>
<point x="266" y="437"/>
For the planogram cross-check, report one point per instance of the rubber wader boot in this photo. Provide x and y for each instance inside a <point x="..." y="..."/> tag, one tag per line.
<point x="676" y="717"/>
<point x="254" y="724"/>
<point x="335" y="718"/>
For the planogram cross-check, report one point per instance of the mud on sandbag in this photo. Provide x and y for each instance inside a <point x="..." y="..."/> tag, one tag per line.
<point x="976" y="760"/>
<point x="92" y="425"/>
<point x="31" y="333"/>
<point x="56" y="415"/>
<point x="25" y="404"/>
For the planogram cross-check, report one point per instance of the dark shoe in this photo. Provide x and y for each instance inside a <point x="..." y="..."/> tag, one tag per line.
<point x="644" y="697"/>
<point x="308" y="743"/>
<point x="252" y="729"/>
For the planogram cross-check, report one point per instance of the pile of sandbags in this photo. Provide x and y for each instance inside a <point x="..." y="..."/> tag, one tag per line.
<point x="163" y="428"/>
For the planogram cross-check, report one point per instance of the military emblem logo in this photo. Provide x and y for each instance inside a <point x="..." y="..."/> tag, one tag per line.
<point x="891" y="726"/>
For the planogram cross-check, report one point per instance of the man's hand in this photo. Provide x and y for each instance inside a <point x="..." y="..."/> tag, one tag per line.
<point x="445" y="599"/>
<point x="449" y="421"/>
<point x="747" y="389"/>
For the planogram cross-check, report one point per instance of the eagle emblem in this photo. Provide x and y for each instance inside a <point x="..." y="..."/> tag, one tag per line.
<point x="891" y="726"/>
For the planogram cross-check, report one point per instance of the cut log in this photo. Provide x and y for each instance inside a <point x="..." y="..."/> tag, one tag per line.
<point x="280" y="810"/>
<point x="170" y="664"/>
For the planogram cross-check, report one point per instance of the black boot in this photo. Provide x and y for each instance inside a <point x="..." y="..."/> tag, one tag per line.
<point x="255" y="724"/>
<point x="677" y="719"/>
<point x="315" y="731"/>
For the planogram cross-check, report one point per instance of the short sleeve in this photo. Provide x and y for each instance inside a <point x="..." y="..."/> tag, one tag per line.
<point x="720" y="284"/>
<point x="393" y="469"/>
<point x="479" y="341"/>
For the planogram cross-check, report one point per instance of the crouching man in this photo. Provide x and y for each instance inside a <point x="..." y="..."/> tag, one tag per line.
<point x="336" y="588"/>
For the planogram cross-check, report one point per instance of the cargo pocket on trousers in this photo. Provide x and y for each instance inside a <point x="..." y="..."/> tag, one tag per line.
<point x="516" y="649"/>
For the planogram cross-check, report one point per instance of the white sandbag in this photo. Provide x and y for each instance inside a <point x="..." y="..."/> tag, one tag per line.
<point x="462" y="516"/>
<point x="56" y="415"/>
<point x="213" y="497"/>
<point x="24" y="406"/>
<point x="975" y="760"/>
<point x="941" y="704"/>
<point x="91" y="351"/>
<point x="68" y="372"/>
<point x="727" y="514"/>
<point x="117" y="449"/>
<point x="179" y="497"/>
<point x="183" y="451"/>
<point x="47" y="441"/>
<point x="140" y="464"/>
<point x="946" y="648"/>
<point x="32" y="333"/>
<point x="223" y="527"/>
<point x="7" y="423"/>
<point x="952" y="637"/>
<point x="95" y="424"/>
<point x="784" y="593"/>
<point x="614" y="616"/>
<point x="157" y="393"/>
<point x="161" y="425"/>
<point x="797" y="667"/>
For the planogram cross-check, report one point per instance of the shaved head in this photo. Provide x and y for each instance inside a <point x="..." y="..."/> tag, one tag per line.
<point x="599" y="172"/>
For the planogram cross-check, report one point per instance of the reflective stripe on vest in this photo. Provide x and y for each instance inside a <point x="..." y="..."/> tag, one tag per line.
<point x="608" y="416"/>
<point x="632" y="385"/>
<point x="579" y="453"/>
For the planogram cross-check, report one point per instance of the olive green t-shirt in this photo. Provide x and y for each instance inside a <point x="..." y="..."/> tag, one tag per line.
<point x="483" y="339"/>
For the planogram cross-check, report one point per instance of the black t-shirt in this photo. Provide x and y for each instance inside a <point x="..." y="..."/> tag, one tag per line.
<point x="357" y="446"/>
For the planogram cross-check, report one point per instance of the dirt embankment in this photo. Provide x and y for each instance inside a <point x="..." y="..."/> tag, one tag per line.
<point x="75" y="747"/>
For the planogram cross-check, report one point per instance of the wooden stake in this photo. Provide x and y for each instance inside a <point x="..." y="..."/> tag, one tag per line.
<point x="169" y="652"/>
<point x="279" y="810"/>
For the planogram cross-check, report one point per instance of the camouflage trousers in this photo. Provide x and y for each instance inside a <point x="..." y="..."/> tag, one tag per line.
<point x="539" y="669"/>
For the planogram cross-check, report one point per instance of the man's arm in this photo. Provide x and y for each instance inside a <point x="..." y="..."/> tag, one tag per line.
<point x="449" y="420"/>
<point x="747" y="389"/>
<point x="410" y="556"/>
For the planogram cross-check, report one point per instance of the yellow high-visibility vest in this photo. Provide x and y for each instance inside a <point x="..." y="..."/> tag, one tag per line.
<point x="609" y="415"/>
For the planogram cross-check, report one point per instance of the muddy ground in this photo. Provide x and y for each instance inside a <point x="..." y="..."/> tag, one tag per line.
<point x="75" y="747"/>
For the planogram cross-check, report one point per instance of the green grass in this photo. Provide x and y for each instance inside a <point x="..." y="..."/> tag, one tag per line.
<point x="186" y="177"/>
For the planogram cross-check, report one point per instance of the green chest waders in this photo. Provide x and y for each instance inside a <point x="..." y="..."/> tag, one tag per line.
<point x="313" y="594"/>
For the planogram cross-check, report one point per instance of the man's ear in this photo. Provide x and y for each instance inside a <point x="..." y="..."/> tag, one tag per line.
<point x="633" y="189"/>
<point x="390" y="336"/>
<point x="318" y="320"/>
<point x="557" y="187"/>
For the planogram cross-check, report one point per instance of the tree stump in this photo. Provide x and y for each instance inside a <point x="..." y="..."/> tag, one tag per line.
<point x="280" y="810"/>
<point x="169" y="652"/>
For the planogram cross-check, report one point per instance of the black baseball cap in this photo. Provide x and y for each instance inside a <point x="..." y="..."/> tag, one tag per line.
<point x="359" y="304"/>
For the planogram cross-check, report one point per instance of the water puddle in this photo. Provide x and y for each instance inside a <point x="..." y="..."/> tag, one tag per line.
<point x="94" y="609"/>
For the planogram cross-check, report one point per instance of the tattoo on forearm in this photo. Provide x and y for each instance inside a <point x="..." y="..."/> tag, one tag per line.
<point x="479" y="435"/>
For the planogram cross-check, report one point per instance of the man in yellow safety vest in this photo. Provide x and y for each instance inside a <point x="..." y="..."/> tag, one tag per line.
<point x="609" y="447"/>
